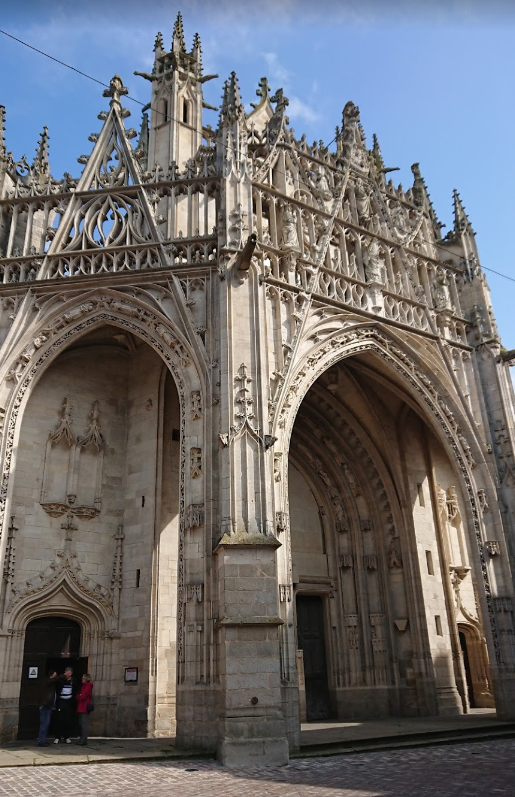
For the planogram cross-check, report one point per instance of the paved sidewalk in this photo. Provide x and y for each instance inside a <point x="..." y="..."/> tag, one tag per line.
<point x="316" y="739"/>
<point x="399" y="730"/>
<point x="485" y="769"/>
<point x="27" y="754"/>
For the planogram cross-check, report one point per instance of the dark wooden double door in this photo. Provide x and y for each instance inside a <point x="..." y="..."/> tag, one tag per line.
<point x="311" y="640"/>
<point x="50" y="643"/>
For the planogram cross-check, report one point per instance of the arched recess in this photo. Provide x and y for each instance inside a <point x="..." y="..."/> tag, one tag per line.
<point x="76" y="328"/>
<point x="401" y="620"/>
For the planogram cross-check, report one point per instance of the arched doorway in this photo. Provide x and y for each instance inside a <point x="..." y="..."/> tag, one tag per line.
<point x="378" y="527"/>
<point x="96" y="505"/>
<point x="50" y="643"/>
<point x="477" y="670"/>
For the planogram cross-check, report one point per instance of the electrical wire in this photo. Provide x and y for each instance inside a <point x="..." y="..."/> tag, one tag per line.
<point x="171" y="118"/>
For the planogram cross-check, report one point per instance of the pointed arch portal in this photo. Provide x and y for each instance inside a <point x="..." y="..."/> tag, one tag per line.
<point x="382" y="550"/>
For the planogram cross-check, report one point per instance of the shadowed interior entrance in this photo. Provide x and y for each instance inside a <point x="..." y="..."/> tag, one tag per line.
<point x="310" y="638"/>
<point x="50" y="642"/>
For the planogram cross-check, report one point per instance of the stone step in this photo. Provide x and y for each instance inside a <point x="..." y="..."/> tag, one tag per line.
<point x="504" y="730"/>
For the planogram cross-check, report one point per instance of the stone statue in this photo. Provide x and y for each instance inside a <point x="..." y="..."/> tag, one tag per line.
<point x="441" y="293"/>
<point x="290" y="235"/>
<point x="374" y="264"/>
<point x="363" y="203"/>
<point x="452" y="506"/>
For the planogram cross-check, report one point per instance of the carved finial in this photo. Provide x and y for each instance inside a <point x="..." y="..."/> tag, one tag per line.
<point x="64" y="428"/>
<point x="93" y="435"/>
<point x="115" y="91"/>
<point x="3" y="151"/>
<point x="461" y="219"/>
<point x="281" y="101"/>
<point x="263" y="92"/>
<point x="232" y="106"/>
<point x="41" y="164"/>
<point x="158" y="44"/>
<point x="178" y="43"/>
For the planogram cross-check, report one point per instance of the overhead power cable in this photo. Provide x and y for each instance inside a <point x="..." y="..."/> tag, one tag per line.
<point x="171" y="118"/>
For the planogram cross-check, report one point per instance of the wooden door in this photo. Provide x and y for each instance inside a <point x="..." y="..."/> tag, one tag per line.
<point x="311" y="640"/>
<point x="49" y="642"/>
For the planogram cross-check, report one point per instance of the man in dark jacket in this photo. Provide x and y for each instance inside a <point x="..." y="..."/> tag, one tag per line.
<point x="66" y="690"/>
<point x="47" y="706"/>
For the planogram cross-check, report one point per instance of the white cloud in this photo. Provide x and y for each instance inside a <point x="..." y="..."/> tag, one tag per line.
<point x="277" y="73"/>
<point x="297" y="109"/>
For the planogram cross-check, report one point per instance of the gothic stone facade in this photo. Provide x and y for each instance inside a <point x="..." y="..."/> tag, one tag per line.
<point x="256" y="429"/>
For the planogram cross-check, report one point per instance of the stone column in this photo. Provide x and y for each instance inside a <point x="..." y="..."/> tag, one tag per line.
<point x="252" y="730"/>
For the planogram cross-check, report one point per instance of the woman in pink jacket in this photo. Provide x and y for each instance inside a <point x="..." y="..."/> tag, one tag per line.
<point x="84" y="706"/>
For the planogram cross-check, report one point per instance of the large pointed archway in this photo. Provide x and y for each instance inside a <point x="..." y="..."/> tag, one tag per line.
<point x="97" y="473"/>
<point x="379" y="534"/>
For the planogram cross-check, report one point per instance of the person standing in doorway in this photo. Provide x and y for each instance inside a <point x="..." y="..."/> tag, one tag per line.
<point x="65" y="705"/>
<point x="84" y="707"/>
<point x="47" y="706"/>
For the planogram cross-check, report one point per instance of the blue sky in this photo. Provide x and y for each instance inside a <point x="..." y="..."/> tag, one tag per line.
<point x="434" y="80"/>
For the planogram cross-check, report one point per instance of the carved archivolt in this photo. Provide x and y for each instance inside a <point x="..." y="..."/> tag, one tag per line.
<point x="130" y="315"/>
<point x="66" y="567"/>
<point x="349" y="342"/>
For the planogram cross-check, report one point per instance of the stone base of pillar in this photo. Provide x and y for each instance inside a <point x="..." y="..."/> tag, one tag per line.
<point x="256" y="740"/>
<point x="269" y="752"/>
<point x="449" y="701"/>
<point x="504" y="693"/>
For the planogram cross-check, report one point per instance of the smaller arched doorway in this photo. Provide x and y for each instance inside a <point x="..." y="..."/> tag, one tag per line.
<point x="50" y="643"/>
<point x="475" y="664"/>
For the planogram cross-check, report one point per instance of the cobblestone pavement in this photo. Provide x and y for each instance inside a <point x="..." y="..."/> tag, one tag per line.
<point x="483" y="769"/>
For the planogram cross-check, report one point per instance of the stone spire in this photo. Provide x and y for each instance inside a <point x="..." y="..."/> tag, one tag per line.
<point x="196" y="51"/>
<point x="178" y="43"/>
<point x="421" y="198"/>
<point x="158" y="44"/>
<point x="141" y="152"/>
<point x="232" y="106"/>
<point x="461" y="220"/>
<point x="41" y="163"/>
<point x="376" y="153"/>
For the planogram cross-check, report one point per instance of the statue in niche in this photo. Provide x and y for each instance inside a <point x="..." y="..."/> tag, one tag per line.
<point x="441" y="297"/>
<point x="398" y="282"/>
<point x="322" y="473"/>
<point x="290" y="235"/>
<point x="478" y="320"/>
<point x="363" y="202"/>
<point x="442" y="501"/>
<point x="321" y="183"/>
<point x="265" y="236"/>
<point x="451" y="505"/>
<point x="399" y="219"/>
<point x="482" y="500"/>
<point x="374" y="264"/>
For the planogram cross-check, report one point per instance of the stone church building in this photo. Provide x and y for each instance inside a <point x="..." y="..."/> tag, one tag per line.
<point x="256" y="429"/>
